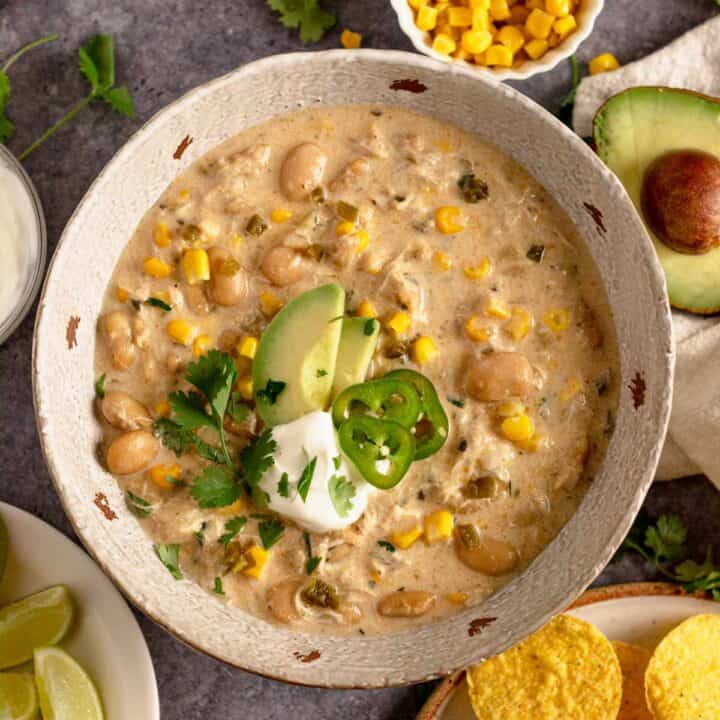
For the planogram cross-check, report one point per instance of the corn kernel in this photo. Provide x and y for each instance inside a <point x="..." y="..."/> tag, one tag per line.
<point x="231" y="510"/>
<point x="438" y="526"/>
<point x="417" y="4"/>
<point x="247" y="347"/>
<point x="181" y="331"/>
<point x="155" y="267"/>
<point x="184" y="196"/>
<point x="499" y="56"/>
<point x="441" y="261"/>
<point x="479" y="5"/>
<point x="161" y="235"/>
<point x="245" y="387"/>
<point x="474" y="329"/>
<point x="511" y="37"/>
<point x="406" y="539"/>
<point x="481" y="59"/>
<point x="603" y="63"/>
<point x="257" y="557"/>
<point x="511" y="408"/>
<point x="479" y="271"/>
<point x="535" y="4"/>
<point x="533" y="444"/>
<point x="121" y="294"/>
<point x="476" y="41"/>
<point x="557" y="320"/>
<point x="423" y="350"/>
<point x="444" y="43"/>
<point x="196" y="266"/>
<point x="539" y="24"/>
<point x="499" y="9"/>
<point x="448" y="219"/>
<point x="459" y="16"/>
<point x="518" y="429"/>
<point x="399" y="323"/>
<point x="496" y="308"/>
<point x="163" y="408"/>
<point x="558" y="8"/>
<point x="270" y="304"/>
<point x="201" y="345"/>
<point x="519" y="324"/>
<point x="481" y="20"/>
<point x="344" y="227"/>
<point x="366" y="309"/>
<point x="165" y="476"/>
<point x="573" y="387"/>
<point x="564" y="26"/>
<point x="536" y="48"/>
<point x="457" y="598"/>
<point x="363" y="240"/>
<point x="280" y="215"/>
<point x="350" y="40"/>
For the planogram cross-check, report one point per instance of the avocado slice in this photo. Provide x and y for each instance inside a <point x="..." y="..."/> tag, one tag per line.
<point x="358" y="341"/>
<point x="634" y="128"/>
<point x="294" y="365"/>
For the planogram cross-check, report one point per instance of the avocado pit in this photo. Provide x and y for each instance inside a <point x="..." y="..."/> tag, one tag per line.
<point x="681" y="200"/>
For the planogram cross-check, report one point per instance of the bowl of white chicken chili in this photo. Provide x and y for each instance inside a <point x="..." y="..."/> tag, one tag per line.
<point x="352" y="370"/>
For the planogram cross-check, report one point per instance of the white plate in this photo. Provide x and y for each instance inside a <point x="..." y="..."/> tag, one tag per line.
<point x="105" y="637"/>
<point x="641" y="620"/>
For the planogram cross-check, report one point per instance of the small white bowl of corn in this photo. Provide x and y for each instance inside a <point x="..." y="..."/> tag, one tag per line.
<point x="505" y="39"/>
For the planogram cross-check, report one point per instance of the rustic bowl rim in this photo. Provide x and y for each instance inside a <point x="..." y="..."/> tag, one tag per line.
<point x="397" y="64"/>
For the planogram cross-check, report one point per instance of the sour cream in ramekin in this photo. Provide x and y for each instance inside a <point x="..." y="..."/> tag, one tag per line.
<point x="22" y="243"/>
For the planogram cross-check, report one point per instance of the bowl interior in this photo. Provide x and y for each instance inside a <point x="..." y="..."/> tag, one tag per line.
<point x="65" y="339"/>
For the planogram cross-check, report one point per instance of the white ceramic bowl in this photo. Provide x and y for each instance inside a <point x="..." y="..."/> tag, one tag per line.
<point x="586" y="16"/>
<point x="132" y="182"/>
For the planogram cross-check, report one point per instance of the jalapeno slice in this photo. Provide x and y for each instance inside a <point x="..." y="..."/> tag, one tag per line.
<point x="381" y="450"/>
<point x="390" y="399"/>
<point x="431" y="431"/>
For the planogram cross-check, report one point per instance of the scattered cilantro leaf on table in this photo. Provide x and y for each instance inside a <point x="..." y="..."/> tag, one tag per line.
<point x="567" y="101"/>
<point x="270" y="532"/>
<point x="169" y="556"/>
<point x="232" y="528"/>
<point x="215" y="487"/>
<point x="341" y="491"/>
<point x="307" y="15"/>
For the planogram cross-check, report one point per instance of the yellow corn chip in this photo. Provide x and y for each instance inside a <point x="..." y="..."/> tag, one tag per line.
<point x="682" y="681"/>
<point x="568" y="669"/>
<point x="633" y="663"/>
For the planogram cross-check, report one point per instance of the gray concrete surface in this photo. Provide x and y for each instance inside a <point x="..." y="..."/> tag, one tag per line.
<point x="164" y="49"/>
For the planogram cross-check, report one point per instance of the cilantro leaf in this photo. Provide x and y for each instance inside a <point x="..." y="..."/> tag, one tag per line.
<point x="369" y="326"/>
<point x="120" y="100"/>
<point x="169" y="556"/>
<point x="232" y="528"/>
<point x="270" y="532"/>
<point x="215" y="487"/>
<point x="100" y="386"/>
<point x="237" y="409"/>
<point x="158" y="303"/>
<point x="214" y="374"/>
<point x="387" y="545"/>
<point x="667" y="539"/>
<point x="303" y="486"/>
<point x="181" y="440"/>
<point x="7" y="129"/>
<point x="341" y="492"/>
<point x="337" y="461"/>
<point x="312" y="560"/>
<point x="567" y="101"/>
<point x="137" y="505"/>
<point x="271" y="391"/>
<point x="218" y="586"/>
<point x="189" y="410"/>
<point x="321" y="373"/>
<point x="283" y="487"/>
<point x="257" y="457"/>
<point x="306" y="15"/>
<point x="199" y="535"/>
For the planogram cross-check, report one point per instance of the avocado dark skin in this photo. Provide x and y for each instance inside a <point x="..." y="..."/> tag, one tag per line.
<point x="681" y="200"/>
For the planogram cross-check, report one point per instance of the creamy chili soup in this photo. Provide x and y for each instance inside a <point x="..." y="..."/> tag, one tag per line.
<point x="246" y="357"/>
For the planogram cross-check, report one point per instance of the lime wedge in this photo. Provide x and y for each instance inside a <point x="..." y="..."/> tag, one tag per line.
<point x="4" y="544"/>
<point x="18" y="699"/>
<point x="65" y="689"/>
<point x="40" y="619"/>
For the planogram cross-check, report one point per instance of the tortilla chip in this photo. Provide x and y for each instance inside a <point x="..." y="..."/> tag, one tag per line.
<point x="568" y="669"/>
<point x="682" y="681"/>
<point x="633" y="663"/>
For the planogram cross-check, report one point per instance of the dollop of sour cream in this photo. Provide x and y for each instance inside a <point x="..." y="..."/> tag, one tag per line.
<point x="17" y="251"/>
<point x="298" y="442"/>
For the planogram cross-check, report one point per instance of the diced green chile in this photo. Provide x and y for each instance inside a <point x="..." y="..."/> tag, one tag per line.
<point x="391" y="399"/>
<point x="431" y="431"/>
<point x="381" y="450"/>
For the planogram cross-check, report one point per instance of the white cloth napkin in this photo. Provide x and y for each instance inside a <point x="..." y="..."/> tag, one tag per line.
<point x="692" y="446"/>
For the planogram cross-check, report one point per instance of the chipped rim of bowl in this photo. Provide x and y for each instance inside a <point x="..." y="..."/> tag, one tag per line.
<point x="395" y="65"/>
<point x="586" y="17"/>
<point x="33" y="274"/>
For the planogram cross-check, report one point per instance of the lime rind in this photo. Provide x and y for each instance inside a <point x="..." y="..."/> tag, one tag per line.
<point x="18" y="699"/>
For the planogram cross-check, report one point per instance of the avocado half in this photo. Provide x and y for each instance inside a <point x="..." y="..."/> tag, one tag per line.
<point x="631" y="130"/>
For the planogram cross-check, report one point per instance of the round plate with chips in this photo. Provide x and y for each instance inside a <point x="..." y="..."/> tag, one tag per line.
<point x="632" y="616"/>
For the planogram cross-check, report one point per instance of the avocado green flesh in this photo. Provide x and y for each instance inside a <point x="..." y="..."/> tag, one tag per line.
<point x="631" y="131"/>
<point x="300" y="347"/>
<point x="355" y="352"/>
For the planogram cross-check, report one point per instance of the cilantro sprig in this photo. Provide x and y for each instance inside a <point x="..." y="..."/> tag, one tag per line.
<point x="232" y="528"/>
<point x="341" y="491"/>
<point x="664" y="545"/>
<point x="270" y="531"/>
<point x="305" y="15"/>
